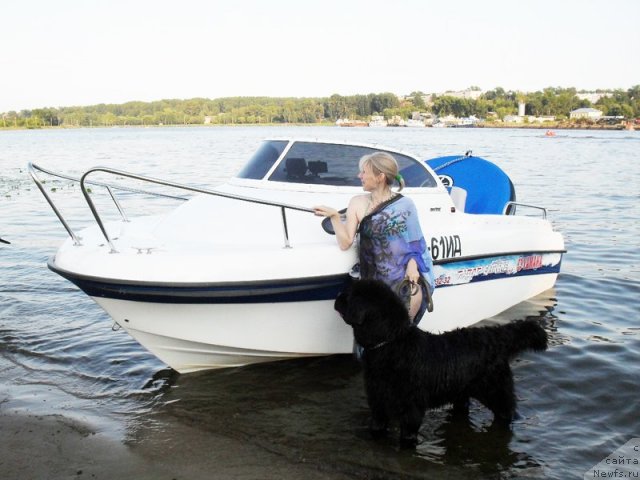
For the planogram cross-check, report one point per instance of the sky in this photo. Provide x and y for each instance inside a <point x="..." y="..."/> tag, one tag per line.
<point x="85" y="52"/>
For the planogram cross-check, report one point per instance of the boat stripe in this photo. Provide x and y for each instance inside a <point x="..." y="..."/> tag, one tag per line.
<point x="267" y="291"/>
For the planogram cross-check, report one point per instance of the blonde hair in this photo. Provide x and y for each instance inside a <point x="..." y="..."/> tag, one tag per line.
<point x="383" y="162"/>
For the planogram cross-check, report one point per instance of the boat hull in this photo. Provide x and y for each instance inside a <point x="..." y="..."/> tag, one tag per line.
<point x="198" y="336"/>
<point x="191" y="337"/>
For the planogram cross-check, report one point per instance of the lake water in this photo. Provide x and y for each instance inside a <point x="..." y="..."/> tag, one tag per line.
<point x="578" y="401"/>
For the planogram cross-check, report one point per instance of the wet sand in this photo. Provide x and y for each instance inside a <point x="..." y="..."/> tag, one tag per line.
<point x="44" y="437"/>
<point x="58" y="447"/>
<point x="53" y="446"/>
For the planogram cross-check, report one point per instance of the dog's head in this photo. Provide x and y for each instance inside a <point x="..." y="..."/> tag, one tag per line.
<point x="373" y="310"/>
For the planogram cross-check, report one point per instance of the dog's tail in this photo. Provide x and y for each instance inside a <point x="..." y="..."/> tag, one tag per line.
<point x="524" y="335"/>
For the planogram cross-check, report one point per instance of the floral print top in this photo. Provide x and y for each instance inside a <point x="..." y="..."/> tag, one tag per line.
<point x="389" y="237"/>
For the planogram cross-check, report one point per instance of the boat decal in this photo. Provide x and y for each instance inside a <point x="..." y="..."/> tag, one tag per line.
<point x="495" y="267"/>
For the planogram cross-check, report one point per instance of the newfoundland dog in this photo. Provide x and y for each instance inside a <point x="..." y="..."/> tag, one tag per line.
<point x="407" y="370"/>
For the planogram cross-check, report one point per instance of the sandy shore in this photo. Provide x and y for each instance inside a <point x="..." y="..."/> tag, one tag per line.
<point x="46" y="435"/>
<point x="57" y="447"/>
<point x="54" y="446"/>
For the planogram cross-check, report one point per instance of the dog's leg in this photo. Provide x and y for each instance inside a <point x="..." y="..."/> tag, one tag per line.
<point x="383" y="403"/>
<point x="379" y="424"/>
<point x="498" y="394"/>
<point x="378" y="404"/>
<point x="408" y="439"/>
<point x="461" y="407"/>
<point x="410" y="422"/>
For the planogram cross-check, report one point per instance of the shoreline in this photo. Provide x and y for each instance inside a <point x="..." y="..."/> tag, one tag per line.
<point x="555" y="126"/>
<point x="560" y="126"/>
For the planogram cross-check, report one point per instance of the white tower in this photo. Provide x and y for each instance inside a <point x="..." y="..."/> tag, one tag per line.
<point x="521" y="109"/>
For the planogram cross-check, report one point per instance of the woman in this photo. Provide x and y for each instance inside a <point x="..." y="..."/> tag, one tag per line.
<point x="391" y="246"/>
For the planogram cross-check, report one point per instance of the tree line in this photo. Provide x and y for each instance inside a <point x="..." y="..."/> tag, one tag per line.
<point x="497" y="103"/>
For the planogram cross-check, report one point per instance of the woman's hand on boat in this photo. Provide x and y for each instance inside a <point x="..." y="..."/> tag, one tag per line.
<point x="345" y="231"/>
<point x="322" y="211"/>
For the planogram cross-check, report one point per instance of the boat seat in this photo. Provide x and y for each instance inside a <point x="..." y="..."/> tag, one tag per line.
<point x="318" y="167"/>
<point x="296" y="167"/>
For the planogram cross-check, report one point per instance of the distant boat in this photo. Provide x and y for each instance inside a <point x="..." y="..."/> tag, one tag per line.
<point x="377" y="121"/>
<point x="2" y="240"/>
<point x="414" y="123"/>
<point x="351" y="123"/>
<point x="466" y="122"/>
<point x="397" y="121"/>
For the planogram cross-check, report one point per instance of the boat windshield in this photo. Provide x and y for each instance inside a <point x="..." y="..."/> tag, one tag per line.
<point x="263" y="159"/>
<point x="337" y="164"/>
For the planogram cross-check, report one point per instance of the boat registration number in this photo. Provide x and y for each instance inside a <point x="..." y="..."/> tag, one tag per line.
<point x="447" y="246"/>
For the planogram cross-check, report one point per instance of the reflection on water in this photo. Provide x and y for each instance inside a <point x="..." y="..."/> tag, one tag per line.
<point x="314" y="411"/>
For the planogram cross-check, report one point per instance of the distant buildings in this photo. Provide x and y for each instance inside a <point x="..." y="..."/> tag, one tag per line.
<point x="521" y="118"/>
<point x="472" y="94"/>
<point x="468" y="93"/>
<point x="513" y="119"/>
<point x="451" y="121"/>
<point x="588" y="113"/>
<point x="542" y="119"/>
<point x="592" y="97"/>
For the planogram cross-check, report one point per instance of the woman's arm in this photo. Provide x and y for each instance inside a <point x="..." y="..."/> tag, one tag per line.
<point x="345" y="232"/>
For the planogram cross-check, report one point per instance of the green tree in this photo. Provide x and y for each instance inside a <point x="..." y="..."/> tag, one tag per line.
<point x="418" y="101"/>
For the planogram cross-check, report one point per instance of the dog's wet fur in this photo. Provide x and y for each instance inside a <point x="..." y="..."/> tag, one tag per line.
<point x="407" y="370"/>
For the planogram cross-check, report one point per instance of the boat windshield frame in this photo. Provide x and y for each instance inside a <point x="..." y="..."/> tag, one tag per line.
<point x="325" y="163"/>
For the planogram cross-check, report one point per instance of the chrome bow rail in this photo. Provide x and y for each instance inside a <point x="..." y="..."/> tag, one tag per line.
<point x="33" y="169"/>
<point x="510" y="208"/>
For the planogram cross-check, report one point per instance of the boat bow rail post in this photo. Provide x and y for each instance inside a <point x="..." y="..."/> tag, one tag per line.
<point x="512" y="211"/>
<point x="110" y="187"/>
<point x="33" y="168"/>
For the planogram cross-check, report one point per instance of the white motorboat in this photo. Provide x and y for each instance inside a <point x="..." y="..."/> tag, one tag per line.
<point x="377" y="121"/>
<point x="245" y="273"/>
<point x="414" y="123"/>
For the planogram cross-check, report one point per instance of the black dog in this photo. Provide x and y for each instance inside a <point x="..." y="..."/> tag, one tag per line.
<point x="408" y="370"/>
